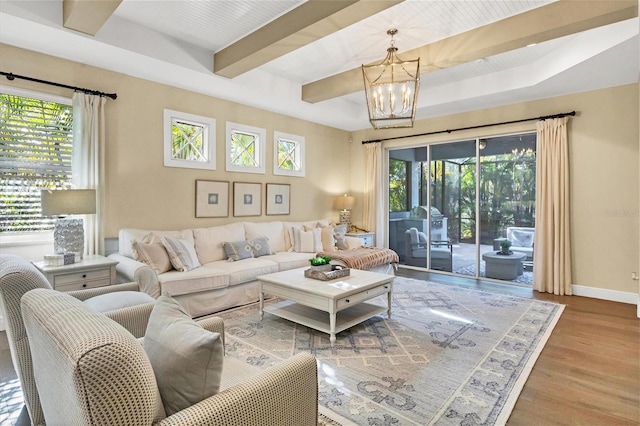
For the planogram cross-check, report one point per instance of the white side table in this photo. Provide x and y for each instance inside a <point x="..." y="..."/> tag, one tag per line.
<point x="92" y="271"/>
<point x="367" y="237"/>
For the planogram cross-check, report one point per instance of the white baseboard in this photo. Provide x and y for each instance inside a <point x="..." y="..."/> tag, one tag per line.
<point x="600" y="293"/>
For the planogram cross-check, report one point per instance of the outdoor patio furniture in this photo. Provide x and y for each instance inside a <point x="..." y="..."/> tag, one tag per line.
<point x="503" y="266"/>
<point x="416" y="251"/>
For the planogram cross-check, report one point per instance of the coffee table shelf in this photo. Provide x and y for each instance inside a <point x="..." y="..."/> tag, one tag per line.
<point x="326" y="306"/>
<point x="319" y="320"/>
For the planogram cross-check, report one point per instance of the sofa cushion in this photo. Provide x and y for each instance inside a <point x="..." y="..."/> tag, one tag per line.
<point x="118" y="300"/>
<point x="205" y="278"/>
<point x="127" y="236"/>
<point x="290" y="260"/>
<point x="245" y="270"/>
<point x="521" y="237"/>
<point x="260" y="246"/>
<point x="238" y="250"/>
<point x="208" y="241"/>
<point x="182" y="254"/>
<point x="273" y="231"/>
<point x="186" y="359"/>
<point x="155" y="255"/>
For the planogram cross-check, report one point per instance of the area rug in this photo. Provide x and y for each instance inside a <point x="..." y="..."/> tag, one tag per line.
<point x="447" y="356"/>
<point x="525" y="278"/>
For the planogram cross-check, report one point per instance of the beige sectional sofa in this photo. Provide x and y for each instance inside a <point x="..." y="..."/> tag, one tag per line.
<point x="218" y="283"/>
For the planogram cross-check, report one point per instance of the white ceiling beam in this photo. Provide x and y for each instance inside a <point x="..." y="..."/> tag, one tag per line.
<point x="545" y="23"/>
<point x="303" y="25"/>
<point x="87" y="16"/>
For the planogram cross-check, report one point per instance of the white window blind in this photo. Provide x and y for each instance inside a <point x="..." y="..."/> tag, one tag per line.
<point x="35" y="154"/>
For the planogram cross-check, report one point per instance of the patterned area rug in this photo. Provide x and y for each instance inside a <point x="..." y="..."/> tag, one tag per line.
<point x="525" y="278"/>
<point x="447" y="356"/>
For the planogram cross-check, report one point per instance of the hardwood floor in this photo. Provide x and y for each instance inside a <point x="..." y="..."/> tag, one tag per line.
<point x="588" y="372"/>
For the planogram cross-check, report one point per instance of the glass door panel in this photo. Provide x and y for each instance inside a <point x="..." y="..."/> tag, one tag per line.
<point x="453" y="194"/>
<point x="507" y="207"/>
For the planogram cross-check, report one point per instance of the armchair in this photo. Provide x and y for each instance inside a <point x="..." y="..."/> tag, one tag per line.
<point x="18" y="276"/>
<point x="95" y="372"/>
<point x="416" y="251"/>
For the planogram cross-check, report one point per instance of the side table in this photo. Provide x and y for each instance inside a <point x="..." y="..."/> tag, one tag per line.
<point x="92" y="271"/>
<point x="367" y="237"/>
<point x="503" y="267"/>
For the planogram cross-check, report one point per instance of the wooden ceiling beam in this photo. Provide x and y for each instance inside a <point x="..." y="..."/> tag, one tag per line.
<point x="87" y="16"/>
<point x="545" y="23"/>
<point x="303" y="25"/>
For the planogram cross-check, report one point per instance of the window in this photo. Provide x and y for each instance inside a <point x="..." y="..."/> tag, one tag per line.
<point x="288" y="155"/>
<point x="189" y="141"/>
<point x="36" y="134"/>
<point x="245" y="148"/>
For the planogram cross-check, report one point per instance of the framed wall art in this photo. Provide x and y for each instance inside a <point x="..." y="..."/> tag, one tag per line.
<point x="212" y="198"/>
<point x="247" y="200"/>
<point x="278" y="198"/>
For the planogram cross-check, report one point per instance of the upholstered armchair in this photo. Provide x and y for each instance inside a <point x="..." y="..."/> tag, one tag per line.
<point x="89" y="370"/>
<point x="17" y="277"/>
<point x="416" y="251"/>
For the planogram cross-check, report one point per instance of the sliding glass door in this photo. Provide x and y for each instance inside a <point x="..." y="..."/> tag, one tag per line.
<point x="453" y="205"/>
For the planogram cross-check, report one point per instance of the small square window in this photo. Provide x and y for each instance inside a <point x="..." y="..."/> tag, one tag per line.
<point x="189" y="141"/>
<point x="288" y="155"/>
<point x="245" y="148"/>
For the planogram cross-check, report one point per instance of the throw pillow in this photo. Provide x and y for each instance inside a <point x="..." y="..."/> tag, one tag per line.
<point x="328" y="240"/>
<point x="182" y="254"/>
<point x="422" y="237"/>
<point x="260" y="246"/>
<point x="237" y="250"/>
<point x="307" y="241"/>
<point x="154" y="255"/>
<point x="118" y="300"/>
<point x="186" y="359"/>
<point x="339" y="233"/>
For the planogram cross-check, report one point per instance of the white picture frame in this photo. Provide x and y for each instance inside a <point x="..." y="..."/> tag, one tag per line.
<point x="247" y="199"/>
<point x="212" y="198"/>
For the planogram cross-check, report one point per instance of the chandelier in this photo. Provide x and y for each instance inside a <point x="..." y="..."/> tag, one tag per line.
<point x="391" y="88"/>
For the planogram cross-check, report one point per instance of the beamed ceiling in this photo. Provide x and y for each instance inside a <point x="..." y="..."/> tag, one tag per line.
<point x="303" y="58"/>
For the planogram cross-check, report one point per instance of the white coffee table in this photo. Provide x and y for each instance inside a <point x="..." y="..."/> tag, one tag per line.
<point x="308" y="301"/>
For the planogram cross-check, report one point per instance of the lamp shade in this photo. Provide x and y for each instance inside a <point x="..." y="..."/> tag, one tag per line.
<point x="345" y="202"/>
<point x="68" y="201"/>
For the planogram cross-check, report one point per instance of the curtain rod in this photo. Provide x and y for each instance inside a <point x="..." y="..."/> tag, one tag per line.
<point x="541" y="118"/>
<point x="11" y="76"/>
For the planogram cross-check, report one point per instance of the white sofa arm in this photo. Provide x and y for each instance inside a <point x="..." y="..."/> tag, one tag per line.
<point x="132" y="270"/>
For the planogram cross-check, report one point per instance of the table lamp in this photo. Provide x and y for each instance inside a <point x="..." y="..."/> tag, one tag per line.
<point x="68" y="234"/>
<point x="345" y="203"/>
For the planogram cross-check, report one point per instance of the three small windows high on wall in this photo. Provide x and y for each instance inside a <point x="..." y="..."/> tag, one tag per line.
<point x="190" y="142"/>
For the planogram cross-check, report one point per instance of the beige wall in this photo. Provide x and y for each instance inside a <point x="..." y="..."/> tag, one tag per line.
<point x="603" y="140"/>
<point x="141" y="192"/>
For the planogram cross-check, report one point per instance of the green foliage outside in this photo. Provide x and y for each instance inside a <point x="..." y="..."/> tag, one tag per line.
<point x="188" y="142"/>
<point x="398" y="200"/>
<point x="286" y="155"/>
<point x="243" y="150"/>
<point x="507" y="193"/>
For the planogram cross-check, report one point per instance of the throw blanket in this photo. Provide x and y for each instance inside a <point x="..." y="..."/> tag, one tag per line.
<point x="364" y="257"/>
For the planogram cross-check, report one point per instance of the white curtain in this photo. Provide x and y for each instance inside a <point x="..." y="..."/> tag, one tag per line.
<point x="87" y="162"/>
<point x="372" y="209"/>
<point x="552" y="248"/>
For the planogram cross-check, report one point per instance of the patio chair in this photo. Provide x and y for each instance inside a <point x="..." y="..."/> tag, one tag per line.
<point x="416" y="251"/>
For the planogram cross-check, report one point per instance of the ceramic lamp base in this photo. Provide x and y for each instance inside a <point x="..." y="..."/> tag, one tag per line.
<point x="68" y="236"/>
